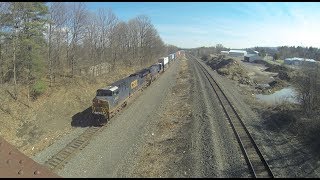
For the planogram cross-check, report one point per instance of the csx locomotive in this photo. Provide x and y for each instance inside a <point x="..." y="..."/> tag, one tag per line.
<point x="111" y="99"/>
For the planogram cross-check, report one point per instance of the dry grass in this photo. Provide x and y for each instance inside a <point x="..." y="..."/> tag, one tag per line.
<point x="32" y="126"/>
<point x="160" y="152"/>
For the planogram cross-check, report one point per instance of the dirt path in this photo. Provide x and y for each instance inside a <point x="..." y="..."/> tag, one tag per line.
<point x="164" y="155"/>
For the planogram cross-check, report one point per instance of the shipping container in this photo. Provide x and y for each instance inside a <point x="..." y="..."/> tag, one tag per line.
<point x="172" y="56"/>
<point x="164" y="61"/>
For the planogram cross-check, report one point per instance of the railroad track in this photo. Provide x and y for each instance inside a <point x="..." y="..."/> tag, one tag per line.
<point x="257" y="165"/>
<point x="57" y="161"/>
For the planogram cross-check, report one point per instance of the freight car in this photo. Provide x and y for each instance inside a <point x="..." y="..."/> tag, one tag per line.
<point x="171" y="57"/>
<point x="144" y="77"/>
<point x="154" y="71"/>
<point x="160" y="67"/>
<point x="164" y="61"/>
<point x="180" y="54"/>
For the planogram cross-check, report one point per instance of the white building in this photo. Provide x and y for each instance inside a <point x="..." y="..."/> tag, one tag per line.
<point x="297" y="61"/>
<point x="237" y="53"/>
<point x="224" y="52"/>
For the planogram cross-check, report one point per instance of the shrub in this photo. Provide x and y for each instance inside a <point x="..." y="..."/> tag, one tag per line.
<point x="38" y="88"/>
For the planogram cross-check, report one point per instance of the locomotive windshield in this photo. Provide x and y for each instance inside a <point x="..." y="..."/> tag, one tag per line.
<point x="103" y="92"/>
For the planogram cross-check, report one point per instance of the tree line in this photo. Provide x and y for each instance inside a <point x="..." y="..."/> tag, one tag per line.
<point x="57" y="39"/>
<point x="283" y="52"/>
<point x="206" y="51"/>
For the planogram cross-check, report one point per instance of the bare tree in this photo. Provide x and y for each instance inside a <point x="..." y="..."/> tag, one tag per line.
<point x="121" y="42"/>
<point x="91" y="41"/>
<point x="56" y="34"/>
<point x="72" y="39"/>
<point x="78" y="19"/>
<point x="144" y="25"/>
<point x="108" y="21"/>
<point x="307" y="84"/>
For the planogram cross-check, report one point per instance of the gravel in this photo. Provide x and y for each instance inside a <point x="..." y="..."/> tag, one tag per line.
<point x="216" y="151"/>
<point x="47" y="153"/>
<point x="285" y="154"/>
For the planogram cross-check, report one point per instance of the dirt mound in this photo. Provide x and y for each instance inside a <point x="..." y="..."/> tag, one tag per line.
<point x="230" y="68"/>
<point x="278" y="84"/>
<point x="284" y="73"/>
<point x="262" y="62"/>
<point x="272" y="67"/>
<point x="275" y="68"/>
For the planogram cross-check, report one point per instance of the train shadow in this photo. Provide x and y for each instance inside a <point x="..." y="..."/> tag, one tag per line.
<point x="87" y="119"/>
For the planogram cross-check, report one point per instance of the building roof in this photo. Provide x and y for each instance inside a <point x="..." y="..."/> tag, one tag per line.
<point x="299" y="59"/>
<point x="251" y="55"/>
<point x="237" y="51"/>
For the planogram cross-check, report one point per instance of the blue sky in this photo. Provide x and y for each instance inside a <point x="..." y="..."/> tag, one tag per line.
<point x="233" y="24"/>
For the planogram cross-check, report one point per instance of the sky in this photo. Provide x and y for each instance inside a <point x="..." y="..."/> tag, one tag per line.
<point x="233" y="24"/>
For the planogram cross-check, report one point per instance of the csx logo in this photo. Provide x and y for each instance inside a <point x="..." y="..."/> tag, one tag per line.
<point x="134" y="84"/>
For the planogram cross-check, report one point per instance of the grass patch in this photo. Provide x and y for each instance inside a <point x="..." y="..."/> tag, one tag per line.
<point x="38" y="88"/>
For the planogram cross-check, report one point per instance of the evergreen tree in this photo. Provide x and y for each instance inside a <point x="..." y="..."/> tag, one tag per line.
<point x="23" y="24"/>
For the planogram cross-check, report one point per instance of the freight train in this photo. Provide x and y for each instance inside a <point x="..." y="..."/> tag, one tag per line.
<point x="112" y="98"/>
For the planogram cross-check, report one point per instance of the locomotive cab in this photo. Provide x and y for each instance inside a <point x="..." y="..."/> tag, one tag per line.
<point x="105" y="100"/>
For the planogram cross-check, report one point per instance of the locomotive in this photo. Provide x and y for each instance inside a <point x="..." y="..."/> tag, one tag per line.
<point x="111" y="99"/>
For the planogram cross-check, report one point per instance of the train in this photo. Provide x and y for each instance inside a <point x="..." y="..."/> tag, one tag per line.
<point x="106" y="102"/>
<point x="111" y="99"/>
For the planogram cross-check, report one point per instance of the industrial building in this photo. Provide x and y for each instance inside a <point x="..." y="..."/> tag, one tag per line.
<point x="224" y="52"/>
<point x="237" y="53"/>
<point x="252" y="57"/>
<point x="297" y="61"/>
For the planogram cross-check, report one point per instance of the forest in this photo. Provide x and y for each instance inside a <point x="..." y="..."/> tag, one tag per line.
<point x="41" y="42"/>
